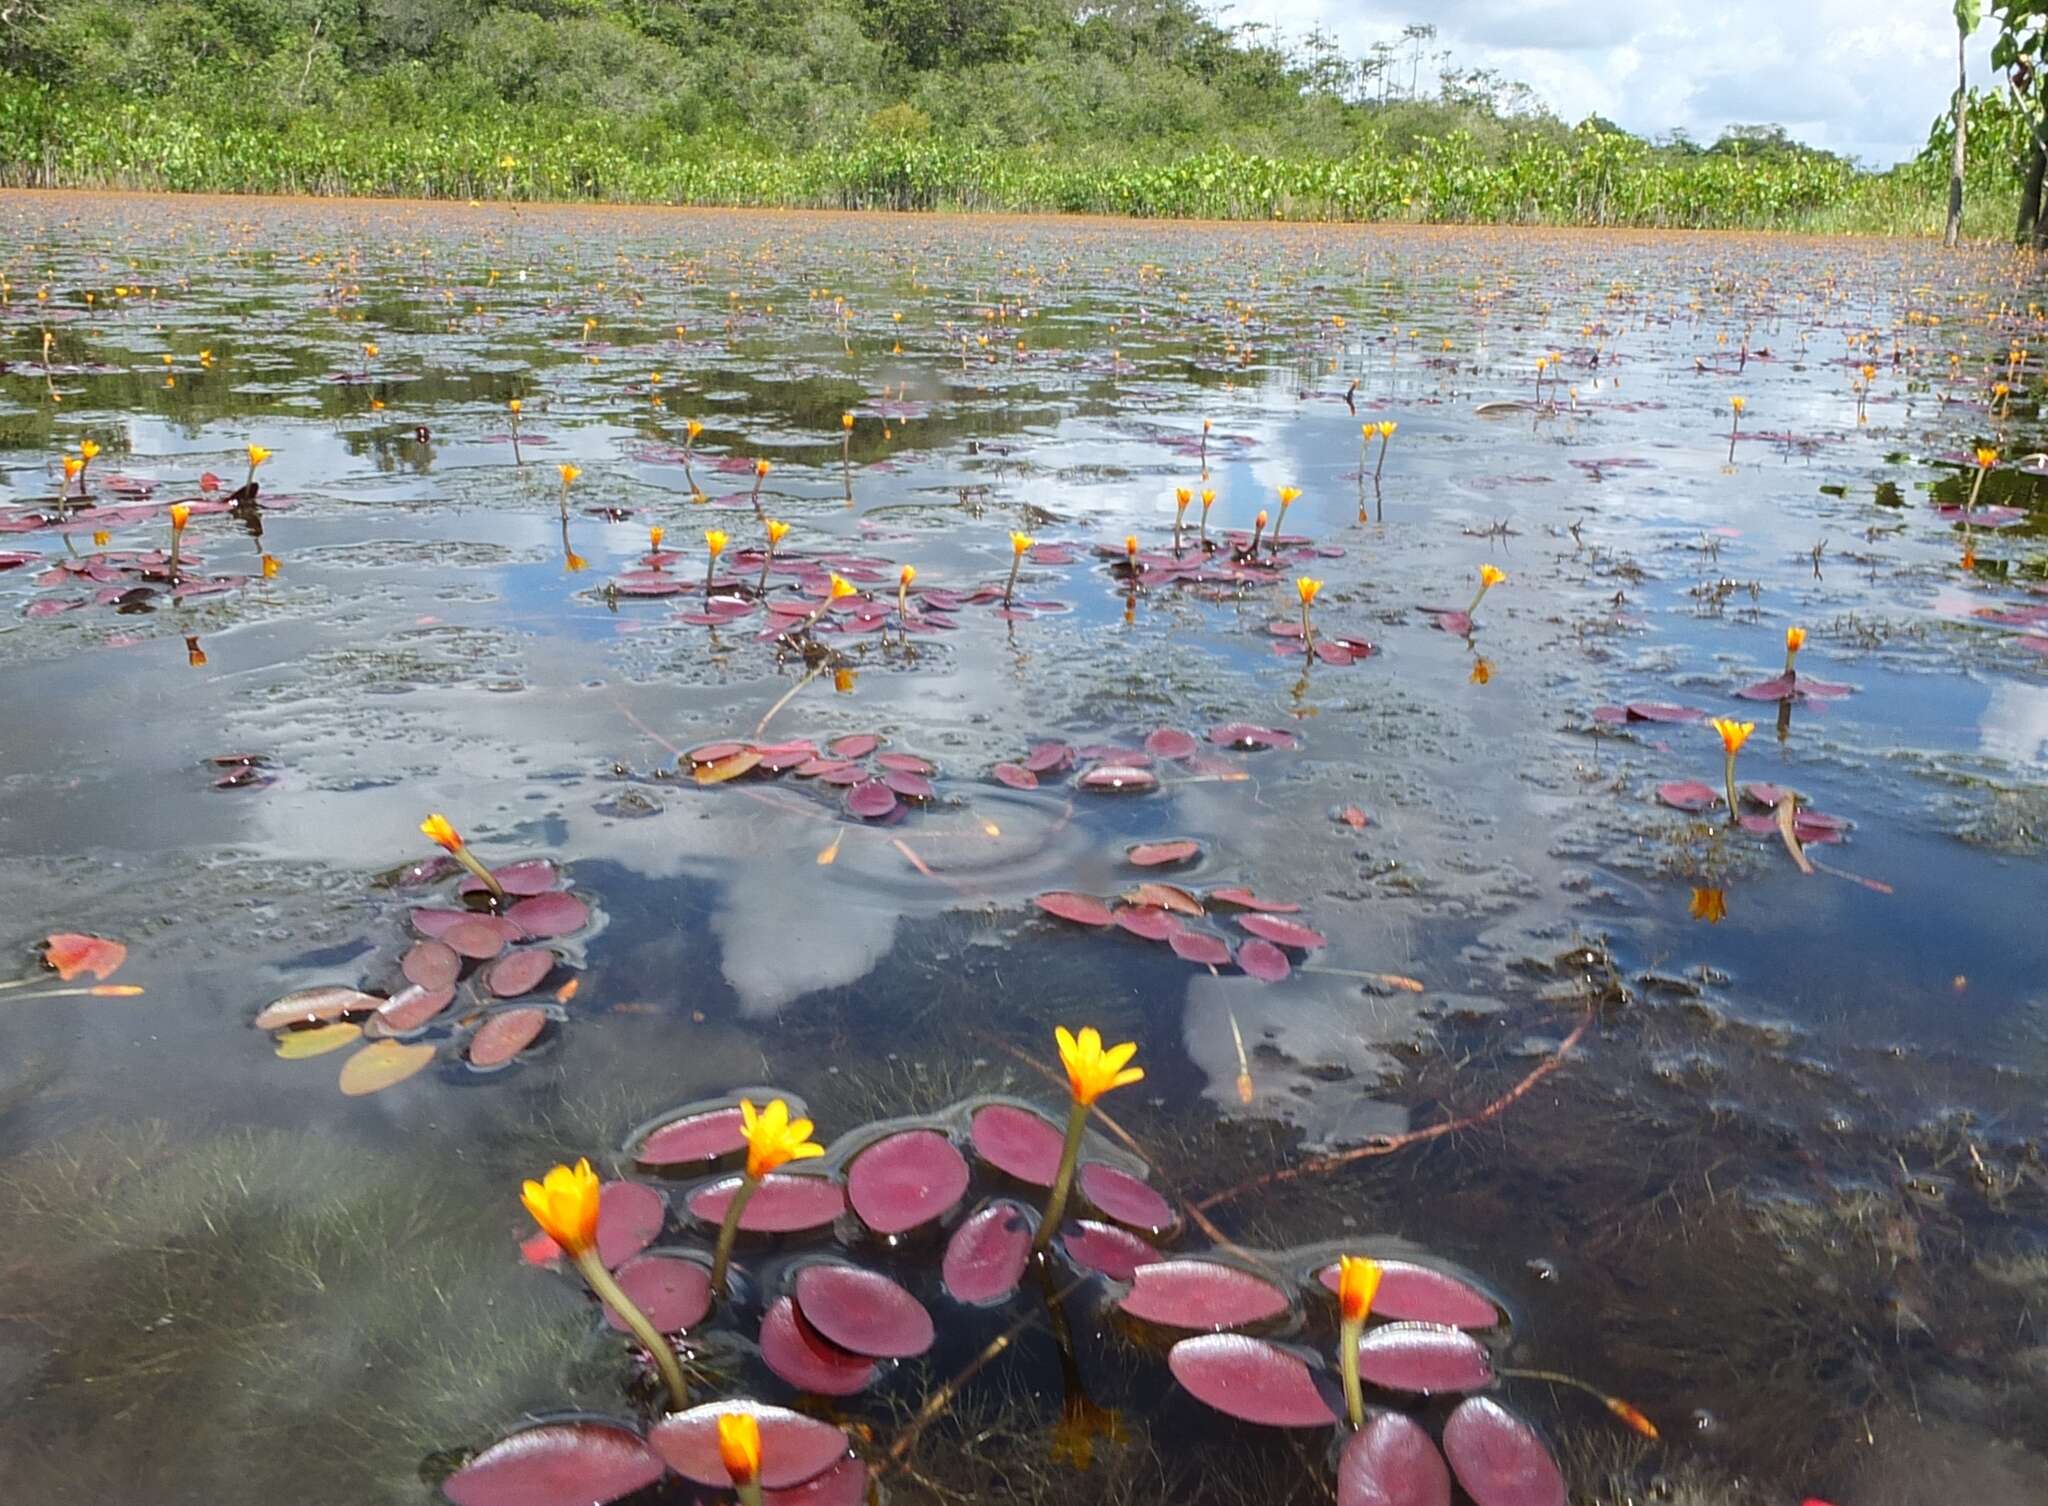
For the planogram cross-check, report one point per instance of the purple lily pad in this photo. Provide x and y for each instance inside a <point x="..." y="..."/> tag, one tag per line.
<point x="1811" y="827"/>
<point x="1652" y="711"/>
<point x="1119" y="779"/>
<point x="863" y="1312"/>
<point x="431" y="965"/>
<point x="1424" y="1357"/>
<point x="906" y="1181"/>
<point x="1263" y="960"/>
<point x="1250" y="1380"/>
<point x="787" y="1203"/>
<point x="1106" y="1249"/>
<point x="534" y="876"/>
<point x="904" y="763"/>
<point x="1082" y="909"/>
<point x="855" y="745"/>
<point x="1391" y="1462"/>
<point x="438" y="923"/>
<point x="1170" y="742"/>
<point x="986" y="1256"/>
<point x="915" y="786"/>
<point x="504" y="1035"/>
<point x="1458" y="624"/>
<point x="1128" y="1200"/>
<point x="1688" y="795"/>
<point x="804" y="1358"/>
<point x="1018" y="1142"/>
<point x="629" y="1215"/>
<point x="1417" y="1292"/>
<point x="519" y="972"/>
<point x="1244" y="899"/>
<point x="557" y="1464"/>
<point x="694" y="1140"/>
<point x="1015" y="775"/>
<point x="1199" y="947"/>
<point x="870" y="800"/>
<point x="478" y="938"/>
<point x="1499" y="1459"/>
<point x="672" y="1290"/>
<point x="1201" y="1294"/>
<point x="1148" y="921"/>
<point x="559" y="913"/>
<point x="1247" y="735"/>
<point x="407" y="1011"/>
<point x="794" y="1448"/>
<point x="1283" y="932"/>
<point x="844" y="1484"/>
<point x="1047" y="758"/>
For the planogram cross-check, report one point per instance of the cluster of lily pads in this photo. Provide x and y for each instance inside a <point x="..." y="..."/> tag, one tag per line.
<point x="852" y="1264"/>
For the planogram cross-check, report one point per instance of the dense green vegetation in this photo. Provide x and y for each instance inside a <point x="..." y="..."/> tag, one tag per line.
<point x="1142" y="107"/>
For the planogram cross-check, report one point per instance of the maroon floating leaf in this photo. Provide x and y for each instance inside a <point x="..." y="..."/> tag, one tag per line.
<point x="916" y="786"/>
<point x="1688" y="795"/>
<point x="986" y="1256"/>
<point x="1148" y="921"/>
<point x="1499" y="1459"/>
<point x="407" y="1011"/>
<point x="1457" y="623"/>
<point x="1652" y="711"/>
<point x="1777" y="688"/>
<point x="1763" y="794"/>
<point x="477" y="938"/>
<point x="504" y="1035"/>
<point x="547" y="915"/>
<point x="1263" y="960"/>
<point x="844" y="1484"/>
<point x="781" y="756"/>
<point x="695" y="1139"/>
<point x="1247" y="735"/>
<point x="1809" y="826"/>
<point x="1412" y="1291"/>
<point x="1016" y="776"/>
<point x="1244" y="899"/>
<point x="863" y="1312"/>
<point x="1424" y="1357"/>
<point x="716" y="752"/>
<point x="794" y="1448"/>
<point x="1283" y="932"/>
<point x="438" y="923"/>
<point x="1201" y="1294"/>
<point x="1170" y="742"/>
<point x="1391" y="1462"/>
<point x="855" y="745"/>
<point x="674" y="1291"/>
<point x="1251" y="1380"/>
<point x="787" y="1203"/>
<point x="905" y="1181"/>
<point x="1082" y="909"/>
<point x="533" y="876"/>
<point x="1199" y="947"/>
<point x="1159" y="854"/>
<point x="431" y="965"/>
<point x="870" y="800"/>
<point x="1128" y="1200"/>
<point x="1119" y="779"/>
<point x="519" y="972"/>
<point x="801" y="1356"/>
<point x="1018" y="1142"/>
<point x="1046" y="758"/>
<point x="1106" y="1249"/>
<point x="904" y="763"/>
<point x="579" y="1463"/>
<point x="629" y="1215"/>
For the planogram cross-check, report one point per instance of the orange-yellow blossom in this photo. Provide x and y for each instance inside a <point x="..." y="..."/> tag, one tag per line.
<point x="739" y="1446"/>
<point x="773" y="1138"/>
<point x="1358" y="1282"/>
<point x="564" y="1204"/>
<point x="1733" y="734"/>
<point x="1091" y="1070"/>
<point x="441" y="831"/>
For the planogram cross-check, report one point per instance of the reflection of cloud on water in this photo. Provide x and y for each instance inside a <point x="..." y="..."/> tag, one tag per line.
<point x="2014" y="725"/>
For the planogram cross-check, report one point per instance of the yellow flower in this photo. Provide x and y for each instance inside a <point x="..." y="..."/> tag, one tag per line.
<point x="761" y="469"/>
<point x="101" y="538"/>
<point x="88" y="448"/>
<point x="906" y="575"/>
<point x="739" y="1446"/>
<point x="515" y="405"/>
<point x="654" y="537"/>
<point x="570" y="473"/>
<point x="1092" y="1071"/>
<point x="1260" y="520"/>
<point x="773" y="1138"/>
<point x="695" y="428"/>
<point x="1208" y="498"/>
<point x="1288" y="494"/>
<point x="370" y="351"/>
<point x="1795" y="639"/>
<point x="843" y="588"/>
<point x="257" y="455"/>
<point x="564" y="1204"/>
<point x="777" y="532"/>
<point x="1738" y="403"/>
<point x="714" y="540"/>
<point x="574" y="562"/>
<point x="1181" y="498"/>
<point x="1387" y="428"/>
<point x="1131" y="545"/>
<point x="1020" y="542"/>
<point x="1482" y="672"/>
<point x="1986" y="458"/>
<point x="442" y="832"/>
<point x="842" y="681"/>
<point x="1307" y="588"/>
<point x="1358" y="1282"/>
<point x="72" y="466"/>
<point x="180" y="516"/>
<point x="1733" y="734"/>
<point x="1490" y="576"/>
<point x="1710" y="905"/>
<point x="846" y="422"/>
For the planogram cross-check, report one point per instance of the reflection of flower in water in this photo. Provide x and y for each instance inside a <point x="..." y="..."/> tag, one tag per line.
<point x="1710" y="905"/>
<point x="1081" y="1422"/>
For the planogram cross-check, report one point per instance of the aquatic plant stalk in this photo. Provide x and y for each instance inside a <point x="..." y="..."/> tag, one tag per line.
<point x="1733" y="735"/>
<point x="609" y="1292"/>
<point x="1092" y="1071"/>
<point x="1208" y="501"/>
<point x="1489" y="577"/>
<point x="1070" y="1156"/>
<point x="1386" y="429"/>
<point x="773" y="1139"/>
<point x="438" y="829"/>
<point x="1358" y="1282"/>
<point x="1019" y="543"/>
<point x="728" y="1231"/>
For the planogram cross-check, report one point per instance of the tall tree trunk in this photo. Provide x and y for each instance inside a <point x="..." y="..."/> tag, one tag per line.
<point x="2030" y="194"/>
<point x="1955" y="170"/>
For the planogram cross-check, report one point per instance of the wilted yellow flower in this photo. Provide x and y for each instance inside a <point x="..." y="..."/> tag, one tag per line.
<point x="773" y="1138"/>
<point x="565" y="1205"/>
<point x="442" y="832"/>
<point x="574" y="563"/>
<point x="1092" y="1071"/>
<point x="906" y="575"/>
<point x="1131" y="545"/>
<point x="1260" y="520"/>
<point x="1482" y="672"/>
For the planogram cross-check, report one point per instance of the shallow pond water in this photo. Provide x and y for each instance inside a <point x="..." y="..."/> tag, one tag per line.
<point x="1748" y="1147"/>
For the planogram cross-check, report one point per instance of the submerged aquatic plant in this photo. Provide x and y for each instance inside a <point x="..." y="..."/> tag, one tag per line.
<point x="1358" y="1282"/>
<point x="1092" y="1071"/>
<point x="1733" y="735"/>
<point x="773" y="1141"/>
<point x="565" y="1205"/>
<point x="443" y="834"/>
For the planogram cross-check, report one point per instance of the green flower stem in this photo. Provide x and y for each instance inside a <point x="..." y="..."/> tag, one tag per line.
<point x="711" y="574"/>
<point x="749" y="1492"/>
<point x="1308" y="637"/>
<point x="766" y="564"/>
<point x="728" y="1231"/>
<point x="1203" y="538"/>
<point x="1383" y="457"/>
<point x="1481" y="596"/>
<point x="1070" y="1156"/>
<point x="600" y="1281"/>
<point x="1730" y="774"/>
<point x="1010" y="586"/>
<point x="177" y="537"/>
<point x="482" y="874"/>
<point x="1347" y="1361"/>
<point x="1278" y="526"/>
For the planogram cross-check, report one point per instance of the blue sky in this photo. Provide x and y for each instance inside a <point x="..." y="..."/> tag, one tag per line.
<point x="1858" y="76"/>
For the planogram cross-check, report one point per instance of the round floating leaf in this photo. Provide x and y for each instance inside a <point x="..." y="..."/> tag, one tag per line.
<point x="1498" y="1458"/>
<point x="380" y="1065"/>
<point x="1688" y="795"/>
<point x="1199" y="947"/>
<point x="1391" y="1462"/>
<point x="672" y="1290"/>
<point x="915" y="786"/>
<point x="1165" y="896"/>
<point x="1244" y="899"/>
<point x="1250" y="1380"/>
<point x="1201" y="1294"/>
<point x="1148" y="921"/>
<point x="694" y="1140"/>
<point x="534" y="876"/>
<point x="1424" y="1357"/>
<point x="844" y="1484"/>
<point x="317" y="1040"/>
<point x="557" y="1464"/>
<point x="1777" y="688"/>
<point x="629" y="1216"/>
<point x="1159" y="854"/>
<point x="1127" y="1199"/>
<point x="714" y="752"/>
<point x="1416" y="1292"/>
<point x="1119" y="779"/>
<point x="786" y="1203"/>
<point x="855" y="745"/>
<point x="1263" y="960"/>
<point x="1170" y="742"/>
<point x="547" y="915"/>
<point x="1016" y="776"/>
<point x="1283" y="932"/>
<point x="794" y="1448"/>
<point x="1082" y="909"/>
<point x="519" y="972"/>
<point x="1046" y="758"/>
<point x="906" y="1180"/>
<point x="504" y="1035"/>
<point x="805" y="1359"/>
<point x="408" y="1010"/>
<point x="477" y="938"/>
<point x="1652" y="711"/>
<point x="904" y="763"/>
<point x="1018" y="1142"/>
<point x="1107" y="1250"/>
<point x="863" y="1312"/>
<point x="870" y="799"/>
<point x="986" y="1256"/>
<point x="437" y="923"/>
<point x="313" y="1006"/>
<point x="431" y="964"/>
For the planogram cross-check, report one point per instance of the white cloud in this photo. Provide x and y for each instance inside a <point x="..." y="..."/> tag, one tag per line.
<point x="1865" y="77"/>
